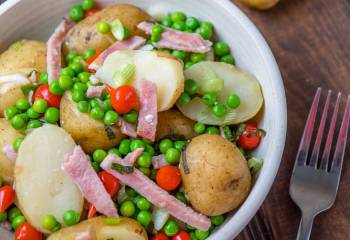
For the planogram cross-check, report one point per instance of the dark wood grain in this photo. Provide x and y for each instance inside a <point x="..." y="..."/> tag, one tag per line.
<point x="310" y="40"/>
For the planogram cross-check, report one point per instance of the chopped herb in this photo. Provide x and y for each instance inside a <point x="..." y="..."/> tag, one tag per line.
<point x="17" y="45"/>
<point x="109" y="131"/>
<point x="228" y="133"/>
<point x="261" y="132"/>
<point x="255" y="164"/>
<point x="122" y="169"/>
<point x="111" y="221"/>
<point x="184" y="162"/>
<point x="240" y="130"/>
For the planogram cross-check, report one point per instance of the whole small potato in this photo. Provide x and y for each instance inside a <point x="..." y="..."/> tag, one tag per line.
<point x="219" y="179"/>
<point x="85" y="36"/>
<point x="9" y="98"/>
<point x="173" y="122"/>
<point x="7" y="136"/>
<point x="86" y="132"/>
<point x="260" y="4"/>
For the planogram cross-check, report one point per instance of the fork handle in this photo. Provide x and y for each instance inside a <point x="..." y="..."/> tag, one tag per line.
<point x="305" y="226"/>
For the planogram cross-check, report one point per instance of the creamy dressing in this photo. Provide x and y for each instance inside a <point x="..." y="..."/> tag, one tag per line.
<point x="8" y="82"/>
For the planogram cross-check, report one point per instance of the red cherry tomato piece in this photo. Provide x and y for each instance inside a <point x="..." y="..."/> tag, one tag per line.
<point x="44" y="92"/>
<point x="25" y="231"/>
<point x="97" y="53"/>
<point x="91" y="12"/>
<point x="110" y="182"/>
<point x="124" y="99"/>
<point x="168" y="178"/>
<point x="250" y="138"/>
<point x="183" y="235"/>
<point x="160" y="236"/>
<point x="92" y="211"/>
<point x="7" y="196"/>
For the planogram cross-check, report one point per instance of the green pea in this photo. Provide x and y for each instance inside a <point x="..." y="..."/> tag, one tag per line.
<point x="52" y="115"/>
<point x="233" y="100"/>
<point x="44" y="77"/>
<point x="191" y="87"/>
<point x="3" y="216"/>
<point x="143" y="204"/>
<point x="80" y="87"/>
<point x="111" y="117"/>
<point x="17" y="143"/>
<point x="89" y="53"/>
<point x="127" y="208"/>
<point x="155" y="37"/>
<point x="188" y="30"/>
<point x="207" y="24"/>
<point x="209" y="99"/>
<point x="114" y="151"/>
<point x="70" y="56"/>
<point x="32" y="114"/>
<point x="201" y="235"/>
<point x="177" y="16"/>
<point x="78" y="96"/>
<point x="65" y="82"/>
<point x="167" y="22"/>
<point x="94" y="103"/>
<point x="49" y="222"/>
<point x="221" y="49"/>
<point x="220" y="110"/>
<point x="13" y="213"/>
<point x="76" y="13"/>
<point x="205" y="32"/>
<point x="130" y="192"/>
<point x="145" y="171"/>
<point x="99" y="155"/>
<point x="144" y="217"/>
<point x="84" y="77"/>
<point x="228" y="59"/>
<point x="124" y="146"/>
<point x="97" y="113"/>
<point x="192" y="23"/>
<point x="158" y="29"/>
<point x="83" y="106"/>
<point x="144" y="160"/>
<point x="55" y="88"/>
<point x="22" y="104"/>
<point x="179" y="54"/>
<point x="181" y="196"/>
<point x="40" y="105"/>
<point x="197" y="57"/>
<point x="18" y="221"/>
<point x="188" y="64"/>
<point x="10" y="112"/>
<point x="212" y="130"/>
<point x="67" y="72"/>
<point x="78" y="59"/>
<point x="184" y="99"/>
<point x="179" y="145"/>
<point x="199" y="128"/>
<point x="96" y="166"/>
<point x="179" y="25"/>
<point x="131" y="117"/>
<point x="71" y="217"/>
<point x="107" y="104"/>
<point x="34" y="124"/>
<point x="149" y="149"/>
<point x="172" y="156"/>
<point x="217" y="220"/>
<point x="127" y="33"/>
<point x="57" y="227"/>
<point x="87" y="4"/>
<point x="137" y="143"/>
<point x="193" y="236"/>
<point x="164" y="145"/>
<point x="170" y="228"/>
<point x="153" y="174"/>
<point x="103" y="27"/>
<point x="77" y="67"/>
<point x="24" y="116"/>
<point x="18" y="122"/>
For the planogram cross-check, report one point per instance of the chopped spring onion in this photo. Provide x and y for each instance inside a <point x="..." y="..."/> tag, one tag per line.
<point x="124" y="74"/>
<point x="228" y="133"/>
<point x="111" y="221"/>
<point x="118" y="30"/>
<point x="122" y="169"/>
<point x="255" y="164"/>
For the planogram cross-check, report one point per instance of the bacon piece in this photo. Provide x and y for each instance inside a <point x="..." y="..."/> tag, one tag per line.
<point x="177" y="40"/>
<point x="127" y="128"/>
<point x="131" y="43"/>
<point x="159" y="161"/>
<point x="78" y="167"/>
<point x="10" y="152"/>
<point x="95" y="91"/>
<point x="148" y="117"/>
<point x="54" y="45"/>
<point x="160" y="198"/>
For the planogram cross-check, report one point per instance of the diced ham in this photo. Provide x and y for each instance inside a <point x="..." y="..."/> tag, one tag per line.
<point x="10" y="152"/>
<point x="32" y="77"/>
<point x="222" y="133"/>
<point x="131" y="158"/>
<point x="78" y="167"/>
<point x="95" y="91"/>
<point x="148" y="117"/>
<point x="177" y="40"/>
<point x="160" y="198"/>
<point x="131" y="43"/>
<point x="127" y="128"/>
<point x="94" y="80"/>
<point x="6" y="225"/>
<point x="159" y="161"/>
<point x="54" y="45"/>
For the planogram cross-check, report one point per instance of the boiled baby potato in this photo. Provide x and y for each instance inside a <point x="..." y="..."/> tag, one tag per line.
<point x="87" y="132"/>
<point x="42" y="187"/>
<point x="260" y="4"/>
<point x="245" y="85"/>
<point x="173" y="122"/>
<point x="161" y="68"/>
<point x="9" y="98"/>
<point x="126" y="229"/>
<point x="85" y="36"/>
<point x="7" y="136"/>
<point x="219" y="179"/>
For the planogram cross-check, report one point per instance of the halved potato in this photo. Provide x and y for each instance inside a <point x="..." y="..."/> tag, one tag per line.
<point x="161" y="68"/>
<point x="245" y="85"/>
<point x="126" y="229"/>
<point x="42" y="187"/>
<point x="260" y="4"/>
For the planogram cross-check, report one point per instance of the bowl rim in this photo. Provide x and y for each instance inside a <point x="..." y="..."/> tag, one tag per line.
<point x="267" y="176"/>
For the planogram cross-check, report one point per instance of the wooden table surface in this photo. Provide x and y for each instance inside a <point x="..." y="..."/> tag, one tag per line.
<point x="311" y="42"/>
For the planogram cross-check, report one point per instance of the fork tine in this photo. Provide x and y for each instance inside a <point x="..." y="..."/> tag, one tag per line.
<point x="316" y="150"/>
<point x="328" y="144"/>
<point x="309" y="127"/>
<point x="341" y="141"/>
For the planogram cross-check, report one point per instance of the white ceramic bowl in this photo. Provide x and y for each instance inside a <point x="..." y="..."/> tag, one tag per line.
<point x="36" y="19"/>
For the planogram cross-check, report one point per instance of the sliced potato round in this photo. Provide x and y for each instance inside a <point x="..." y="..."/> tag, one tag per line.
<point x="42" y="187"/>
<point x="245" y="85"/>
<point x="162" y="69"/>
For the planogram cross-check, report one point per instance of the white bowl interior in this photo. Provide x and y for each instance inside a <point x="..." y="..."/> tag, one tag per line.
<point x="36" y="19"/>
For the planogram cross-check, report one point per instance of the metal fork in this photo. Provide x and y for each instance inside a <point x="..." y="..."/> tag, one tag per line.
<point x="314" y="182"/>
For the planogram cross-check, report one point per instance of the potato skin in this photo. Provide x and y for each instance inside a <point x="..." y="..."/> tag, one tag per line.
<point x="173" y="122"/>
<point x="7" y="135"/>
<point x="85" y="36"/>
<point x="9" y="98"/>
<point x="86" y="132"/>
<point x="127" y="229"/>
<point x="219" y="178"/>
<point x="260" y="4"/>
